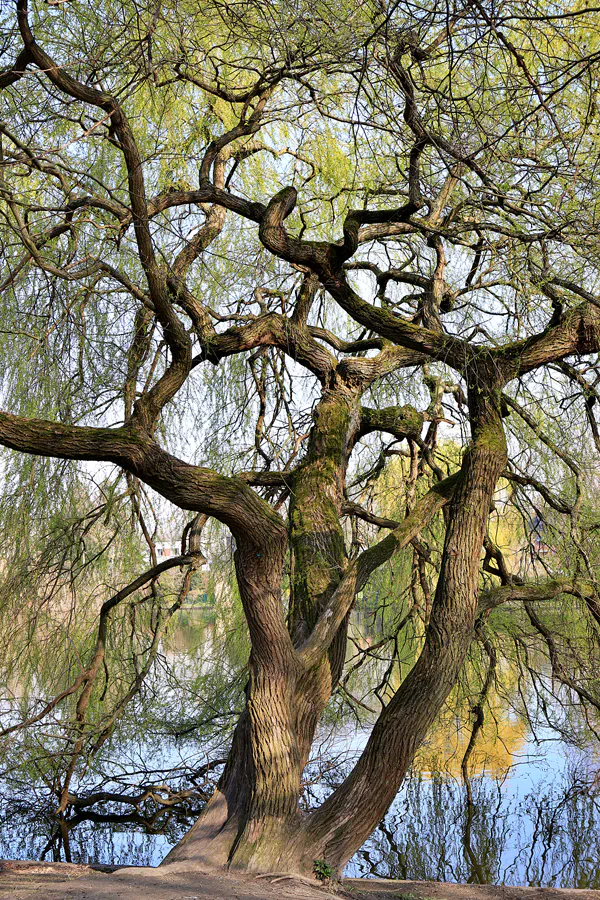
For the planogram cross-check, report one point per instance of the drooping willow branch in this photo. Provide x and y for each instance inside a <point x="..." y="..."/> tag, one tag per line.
<point x="86" y="678"/>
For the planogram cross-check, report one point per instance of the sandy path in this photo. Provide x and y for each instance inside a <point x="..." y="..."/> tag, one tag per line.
<point x="146" y="884"/>
<point x="35" y="881"/>
<point x="433" y="890"/>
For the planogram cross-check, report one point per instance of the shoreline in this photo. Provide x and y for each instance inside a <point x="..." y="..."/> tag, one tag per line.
<point x="26" y="880"/>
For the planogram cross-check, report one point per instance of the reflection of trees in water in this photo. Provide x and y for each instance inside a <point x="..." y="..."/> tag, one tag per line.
<point x="107" y="834"/>
<point x="546" y="838"/>
<point x="549" y="837"/>
<point x="423" y="836"/>
<point x="565" y="844"/>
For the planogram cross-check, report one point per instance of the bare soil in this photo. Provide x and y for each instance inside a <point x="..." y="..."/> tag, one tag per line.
<point x="63" y="881"/>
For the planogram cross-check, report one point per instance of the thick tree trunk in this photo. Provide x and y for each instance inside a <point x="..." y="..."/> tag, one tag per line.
<point x="319" y="551"/>
<point x="254" y="814"/>
<point x="340" y="826"/>
<point x="253" y="821"/>
<point x="254" y="810"/>
<point x="255" y="805"/>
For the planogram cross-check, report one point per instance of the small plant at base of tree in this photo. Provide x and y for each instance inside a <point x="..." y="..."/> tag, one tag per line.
<point x="323" y="871"/>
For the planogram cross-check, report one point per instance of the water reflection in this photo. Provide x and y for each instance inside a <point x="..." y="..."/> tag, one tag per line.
<point x="534" y="818"/>
<point x="537" y="824"/>
<point x="533" y="827"/>
<point x="116" y="840"/>
<point x="110" y="833"/>
<point x="530" y="828"/>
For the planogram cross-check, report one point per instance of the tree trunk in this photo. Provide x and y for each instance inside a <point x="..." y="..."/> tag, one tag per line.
<point x="319" y="551"/>
<point x="254" y="809"/>
<point x="339" y="827"/>
<point x="254" y="814"/>
<point x="253" y="821"/>
<point x="255" y="804"/>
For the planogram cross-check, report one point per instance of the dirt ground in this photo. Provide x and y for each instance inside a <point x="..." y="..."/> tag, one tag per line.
<point x="26" y="881"/>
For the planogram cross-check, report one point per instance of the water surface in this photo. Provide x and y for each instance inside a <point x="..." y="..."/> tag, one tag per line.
<point x="534" y="820"/>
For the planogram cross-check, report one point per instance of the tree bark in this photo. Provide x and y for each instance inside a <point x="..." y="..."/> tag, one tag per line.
<point x="251" y="814"/>
<point x="319" y="552"/>
<point x="253" y="821"/>
<point x="340" y="826"/>
<point x="254" y="814"/>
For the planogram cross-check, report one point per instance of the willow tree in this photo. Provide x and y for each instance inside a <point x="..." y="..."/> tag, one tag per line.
<point x="313" y="215"/>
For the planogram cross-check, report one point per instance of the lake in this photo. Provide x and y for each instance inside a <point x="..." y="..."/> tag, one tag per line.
<point x="534" y="820"/>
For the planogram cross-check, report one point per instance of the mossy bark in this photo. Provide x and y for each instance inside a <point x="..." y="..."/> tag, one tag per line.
<point x="318" y="550"/>
<point x="251" y="821"/>
<point x="339" y="827"/>
<point x="261" y="786"/>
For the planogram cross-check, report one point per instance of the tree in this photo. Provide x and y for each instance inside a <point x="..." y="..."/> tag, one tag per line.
<point x="124" y="281"/>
